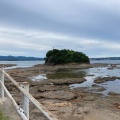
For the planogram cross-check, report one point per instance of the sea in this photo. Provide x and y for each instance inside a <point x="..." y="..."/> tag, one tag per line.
<point x="22" y="64"/>
<point x="32" y="63"/>
<point x="105" y="61"/>
<point x="113" y="86"/>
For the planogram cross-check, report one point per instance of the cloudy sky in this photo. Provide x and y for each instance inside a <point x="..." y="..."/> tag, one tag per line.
<point x="32" y="27"/>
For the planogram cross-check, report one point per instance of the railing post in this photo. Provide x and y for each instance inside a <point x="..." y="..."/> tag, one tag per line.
<point x="25" y="100"/>
<point x="2" y="80"/>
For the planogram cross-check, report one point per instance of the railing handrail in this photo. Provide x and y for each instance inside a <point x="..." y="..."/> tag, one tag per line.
<point x="47" y="113"/>
<point x="14" y="103"/>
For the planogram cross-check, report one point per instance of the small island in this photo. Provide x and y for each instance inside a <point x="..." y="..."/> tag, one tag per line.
<point x="65" y="56"/>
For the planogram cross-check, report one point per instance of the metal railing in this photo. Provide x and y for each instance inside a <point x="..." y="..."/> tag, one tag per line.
<point x="26" y="96"/>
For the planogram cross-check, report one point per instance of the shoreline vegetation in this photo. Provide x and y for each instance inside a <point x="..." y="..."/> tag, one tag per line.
<point x="2" y="116"/>
<point x="64" y="56"/>
<point x="7" y="110"/>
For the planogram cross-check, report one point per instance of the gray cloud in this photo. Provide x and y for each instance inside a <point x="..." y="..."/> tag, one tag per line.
<point x="37" y="43"/>
<point x="87" y="25"/>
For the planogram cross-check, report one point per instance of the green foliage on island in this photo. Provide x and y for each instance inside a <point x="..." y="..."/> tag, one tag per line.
<point x="64" y="56"/>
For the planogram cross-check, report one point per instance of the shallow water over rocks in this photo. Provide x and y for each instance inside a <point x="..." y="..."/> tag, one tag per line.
<point x="66" y="73"/>
<point x="40" y="77"/>
<point x="101" y="72"/>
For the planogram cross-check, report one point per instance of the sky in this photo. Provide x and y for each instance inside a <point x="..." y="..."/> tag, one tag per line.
<point x="32" y="27"/>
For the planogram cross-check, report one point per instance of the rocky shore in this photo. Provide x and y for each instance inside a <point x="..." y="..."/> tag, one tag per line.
<point x="67" y="104"/>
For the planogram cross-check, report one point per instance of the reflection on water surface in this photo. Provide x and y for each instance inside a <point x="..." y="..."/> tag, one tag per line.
<point x="66" y="73"/>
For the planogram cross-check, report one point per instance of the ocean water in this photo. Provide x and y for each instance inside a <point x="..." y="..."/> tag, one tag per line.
<point x="22" y="63"/>
<point x="93" y="73"/>
<point x="31" y="63"/>
<point x="96" y="72"/>
<point x="105" y="61"/>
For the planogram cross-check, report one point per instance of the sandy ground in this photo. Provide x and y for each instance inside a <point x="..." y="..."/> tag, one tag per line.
<point x="58" y="98"/>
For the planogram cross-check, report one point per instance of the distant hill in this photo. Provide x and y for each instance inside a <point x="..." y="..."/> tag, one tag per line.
<point x="106" y="58"/>
<point x="19" y="58"/>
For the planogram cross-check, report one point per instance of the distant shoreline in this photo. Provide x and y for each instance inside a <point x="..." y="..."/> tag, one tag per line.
<point x="106" y="58"/>
<point x="19" y="58"/>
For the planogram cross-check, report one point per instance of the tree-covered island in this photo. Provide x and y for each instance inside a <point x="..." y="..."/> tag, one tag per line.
<point x="64" y="56"/>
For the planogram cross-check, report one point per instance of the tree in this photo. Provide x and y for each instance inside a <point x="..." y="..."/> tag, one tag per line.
<point x="64" y="56"/>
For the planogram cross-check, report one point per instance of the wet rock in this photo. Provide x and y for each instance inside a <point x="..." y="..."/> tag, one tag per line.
<point x="80" y="104"/>
<point x="67" y="81"/>
<point x="89" y="98"/>
<point x="95" y="85"/>
<point x="101" y="89"/>
<point x="113" y="93"/>
<point x="51" y="88"/>
<point x="110" y="68"/>
<point x="96" y="88"/>
<point x="105" y="79"/>
<point x="7" y="65"/>
<point x="117" y="105"/>
<point x="91" y="75"/>
<point x="81" y="89"/>
<point x="61" y="95"/>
